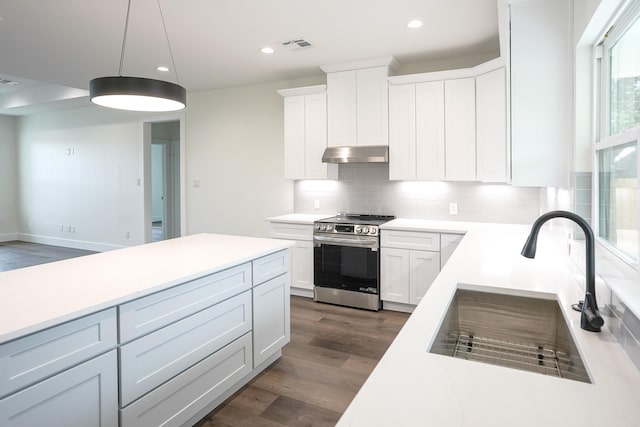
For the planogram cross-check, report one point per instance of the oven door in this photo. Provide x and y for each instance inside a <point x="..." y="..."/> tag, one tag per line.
<point x="350" y="268"/>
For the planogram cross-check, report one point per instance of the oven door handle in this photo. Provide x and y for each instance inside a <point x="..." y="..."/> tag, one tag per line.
<point x="360" y="243"/>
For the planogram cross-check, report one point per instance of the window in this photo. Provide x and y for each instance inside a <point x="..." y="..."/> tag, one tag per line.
<point x="617" y="154"/>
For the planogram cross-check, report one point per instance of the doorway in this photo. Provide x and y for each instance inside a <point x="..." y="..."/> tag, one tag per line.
<point x="164" y="164"/>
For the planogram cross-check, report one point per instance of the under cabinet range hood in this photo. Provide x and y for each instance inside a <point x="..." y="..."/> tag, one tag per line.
<point x="358" y="154"/>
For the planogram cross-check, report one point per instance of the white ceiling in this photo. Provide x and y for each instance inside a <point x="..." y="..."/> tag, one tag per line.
<point x="216" y="43"/>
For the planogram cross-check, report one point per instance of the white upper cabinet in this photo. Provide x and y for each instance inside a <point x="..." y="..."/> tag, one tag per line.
<point x="541" y="92"/>
<point x="305" y="133"/>
<point x="372" y="106"/>
<point x="460" y="129"/>
<point x="358" y="103"/>
<point x="402" y="132"/>
<point x="430" y="134"/>
<point x="492" y="150"/>
<point x="342" y="108"/>
<point x="416" y="131"/>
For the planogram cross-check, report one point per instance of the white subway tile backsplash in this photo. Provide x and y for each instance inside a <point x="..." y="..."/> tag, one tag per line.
<point x="365" y="188"/>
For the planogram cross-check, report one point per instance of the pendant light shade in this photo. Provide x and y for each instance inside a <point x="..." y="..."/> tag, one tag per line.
<point x="137" y="94"/>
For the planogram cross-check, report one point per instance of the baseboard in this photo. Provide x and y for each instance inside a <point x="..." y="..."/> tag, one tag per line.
<point x="67" y="243"/>
<point x="397" y="306"/>
<point x="308" y="293"/>
<point x="8" y="237"/>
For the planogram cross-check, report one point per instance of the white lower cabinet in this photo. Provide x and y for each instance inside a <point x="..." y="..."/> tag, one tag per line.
<point x="83" y="396"/>
<point x="149" y="361"/>
<point x="407" y="274"/>
<point x="176" y="401"/>
<point x="301" y="254"/>
<point x="409" y="263"/>
<point x="271" y="318"/>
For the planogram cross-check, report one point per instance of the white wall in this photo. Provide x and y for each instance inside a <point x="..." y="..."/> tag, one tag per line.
<point x="8" y="179"/>
<point x="235" y="159"/>
<point x="78" y="173"/>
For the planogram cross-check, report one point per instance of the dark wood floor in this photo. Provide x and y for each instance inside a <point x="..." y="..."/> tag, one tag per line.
<point x="332" y="352"/>
<point x="16" y="254"/>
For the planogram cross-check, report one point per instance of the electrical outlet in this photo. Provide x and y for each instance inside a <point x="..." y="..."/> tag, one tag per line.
<point x="127" y="235"/>
<point x="453" y="209"/>
<point x="316" y="204"/>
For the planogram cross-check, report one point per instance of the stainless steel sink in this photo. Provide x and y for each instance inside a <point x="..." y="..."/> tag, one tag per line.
<point x="512" y="331"/>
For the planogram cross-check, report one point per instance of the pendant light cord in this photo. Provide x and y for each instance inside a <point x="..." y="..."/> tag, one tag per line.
<point x="124" y="38"/>
<point x="166" y="35"/>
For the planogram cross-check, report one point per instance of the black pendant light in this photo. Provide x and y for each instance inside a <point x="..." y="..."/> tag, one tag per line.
<point x="138" y="93"/>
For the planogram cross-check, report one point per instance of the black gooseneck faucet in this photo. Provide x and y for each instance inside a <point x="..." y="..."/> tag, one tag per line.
<point x="590" y="319"/>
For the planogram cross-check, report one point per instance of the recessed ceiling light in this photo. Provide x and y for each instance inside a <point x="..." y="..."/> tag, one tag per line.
<point x="414" y="24"/>
<point x="162" y="68"/>
<point x="267" y="50"/>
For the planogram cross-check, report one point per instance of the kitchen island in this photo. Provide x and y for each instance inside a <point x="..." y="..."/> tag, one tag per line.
<point x="148" y="335"/>
<point x="413" y="387"/>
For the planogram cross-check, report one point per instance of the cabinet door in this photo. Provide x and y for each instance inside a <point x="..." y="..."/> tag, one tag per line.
<point x="372" y="106"/>
<point x="491" y="132"/>
<point x="541" y="93"/>
<point x="341" y="108"/>
<point x="423" y="269"/>
<point x="302" y="265"/>
<point x="394" y="275"/>
<point x="315" y="130"/>
<point x="271" y="318"/>
<point x="402" y="132"/>
<point x="430" y="137"/>
<point x="294" y="150"/>
<point x="85" y="395"/>
<point x="460" y="129"/>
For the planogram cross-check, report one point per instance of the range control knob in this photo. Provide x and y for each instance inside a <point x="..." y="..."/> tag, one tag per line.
<point x="317" y="226"/>
<point x="365" y="230"/>
<point x="323" y="227"/>
<point x="373" y="231"/>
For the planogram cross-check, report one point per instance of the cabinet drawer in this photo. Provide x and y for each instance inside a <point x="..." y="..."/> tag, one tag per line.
<point x="155" y="358"/>
<point x="147" y="314"/>
<point x="410" y="240"/>
<point x="270" y="266"/>
<point x="85" y="395"/>
<point x="33" y="358"/>
<point x="282" y="230"/>
<point x="179" y="399"/>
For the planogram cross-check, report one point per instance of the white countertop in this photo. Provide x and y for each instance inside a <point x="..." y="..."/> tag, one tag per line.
<point x="412" y="387"/>
<point x="37" y="297"/>
<point x="296" y="218"/>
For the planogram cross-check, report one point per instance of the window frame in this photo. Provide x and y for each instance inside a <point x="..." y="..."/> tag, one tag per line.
<point x="628" y="15"/>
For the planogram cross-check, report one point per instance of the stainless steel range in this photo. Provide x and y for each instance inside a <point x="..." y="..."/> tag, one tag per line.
<point x="347" y="260"/>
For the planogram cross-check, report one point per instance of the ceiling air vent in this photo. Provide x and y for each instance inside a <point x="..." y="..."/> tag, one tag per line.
<point x="297" y="44"/>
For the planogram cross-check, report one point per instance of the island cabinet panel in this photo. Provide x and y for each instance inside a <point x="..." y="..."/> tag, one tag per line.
<point x="85" y="395"/>
<point x="200" y="387"/>
<point x="157" y="357"/>
<point x="271" y="317"/>
<point x="35" y="357"/>
<point x="410" y="240"/>
<point x="270" y="266"/>
<point x="150" y="313"/>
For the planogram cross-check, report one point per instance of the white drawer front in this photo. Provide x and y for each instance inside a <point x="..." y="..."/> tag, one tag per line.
<point x="147" y="314"/>
<point x="410" y="240"/>
<point x="85" y="395"/>
<point x="179" y="399"/>
<point x="270" y="266"/>
<point x="153" y="359"/>
<point x="28" y="360"/>
<point x="281" y="230"/>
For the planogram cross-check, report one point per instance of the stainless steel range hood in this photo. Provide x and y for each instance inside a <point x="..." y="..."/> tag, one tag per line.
<point x="359" y="154"/>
